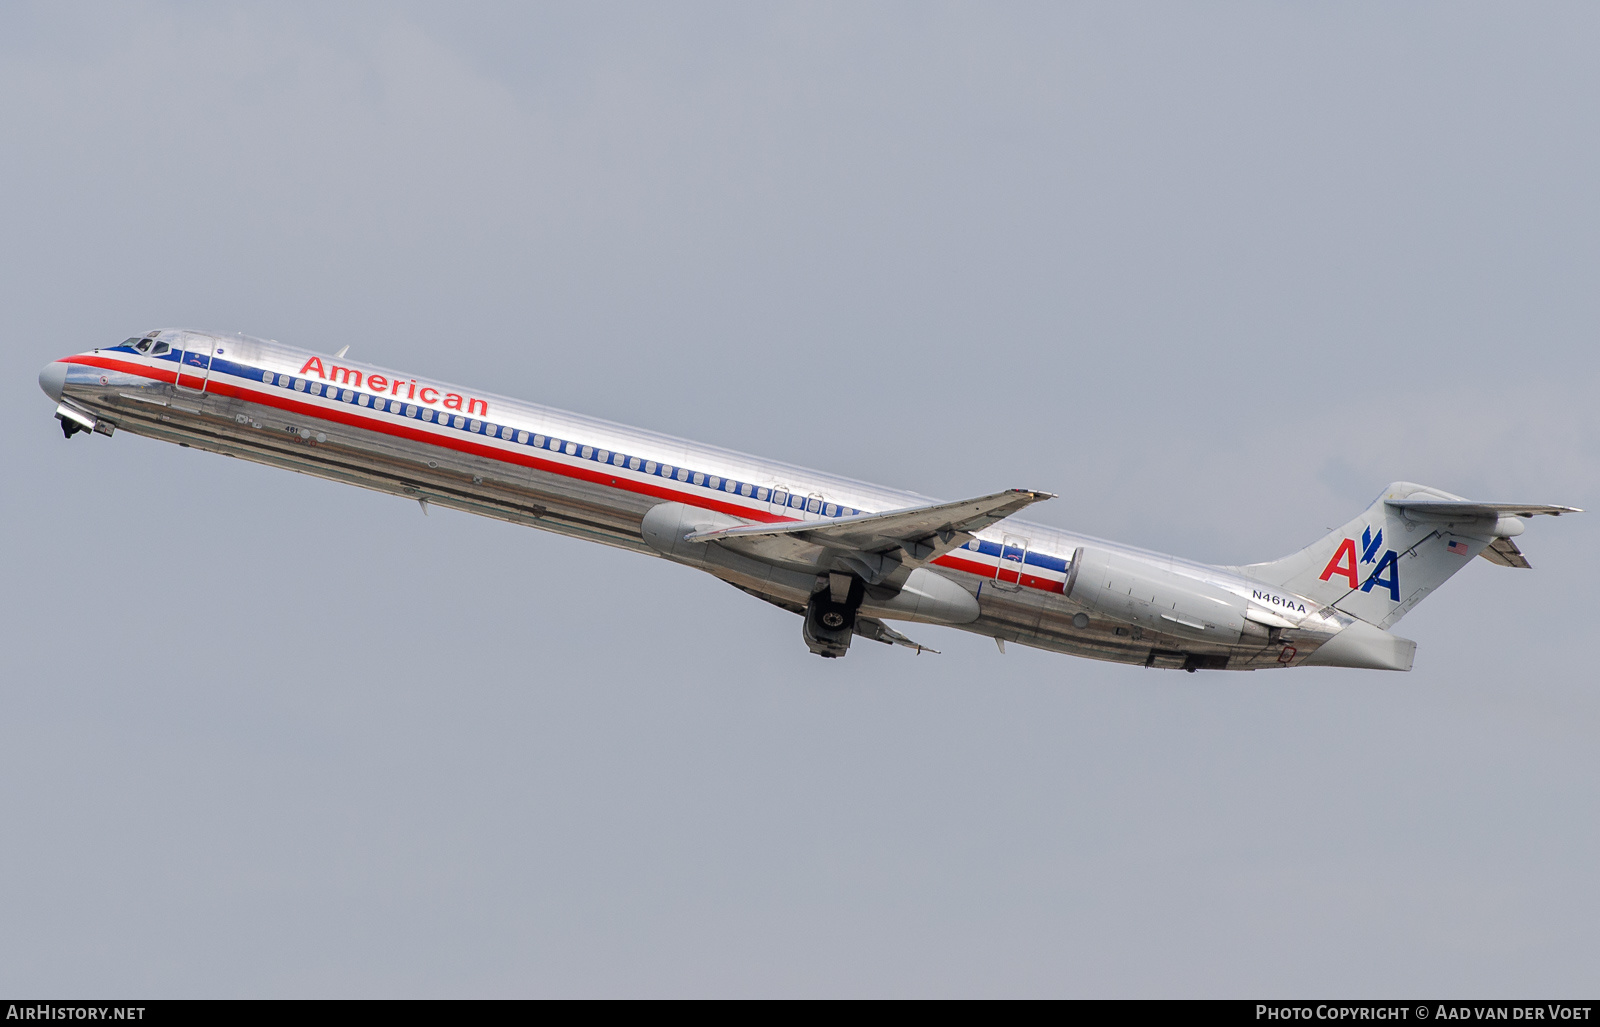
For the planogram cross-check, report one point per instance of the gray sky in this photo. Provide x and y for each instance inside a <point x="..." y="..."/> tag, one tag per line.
<point x="1213" y="273"/>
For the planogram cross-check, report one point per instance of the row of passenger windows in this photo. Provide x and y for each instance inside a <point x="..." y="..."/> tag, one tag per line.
<point x="809" y="504"/>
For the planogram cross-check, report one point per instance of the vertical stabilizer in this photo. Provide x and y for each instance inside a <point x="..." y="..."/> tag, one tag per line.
<point x="1391" y="557"/>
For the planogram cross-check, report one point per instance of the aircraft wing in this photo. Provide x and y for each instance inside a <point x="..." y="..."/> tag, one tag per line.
<point x="1468" y="508"/>
<point x="924" y="532"/>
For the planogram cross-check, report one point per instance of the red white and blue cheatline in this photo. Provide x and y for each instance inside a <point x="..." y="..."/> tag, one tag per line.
<point x="845" y="555"/>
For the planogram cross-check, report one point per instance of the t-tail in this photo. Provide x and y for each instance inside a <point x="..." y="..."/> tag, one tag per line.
<point x="1402" y="547"/>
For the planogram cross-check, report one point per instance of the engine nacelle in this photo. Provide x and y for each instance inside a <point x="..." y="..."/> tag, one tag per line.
<point x="665" y="524"/>
<point x="1156" y="598"/>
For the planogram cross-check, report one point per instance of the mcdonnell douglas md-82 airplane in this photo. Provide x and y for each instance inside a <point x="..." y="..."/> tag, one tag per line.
<point x="846" y="556"/>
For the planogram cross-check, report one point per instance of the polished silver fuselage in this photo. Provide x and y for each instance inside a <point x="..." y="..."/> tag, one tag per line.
<point x="486" y="454"/>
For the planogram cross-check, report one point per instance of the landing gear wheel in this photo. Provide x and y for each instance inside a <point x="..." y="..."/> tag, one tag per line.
<point x="829" y="625"/>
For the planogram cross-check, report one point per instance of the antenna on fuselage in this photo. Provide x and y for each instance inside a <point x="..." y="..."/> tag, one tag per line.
<point x="342" y="351"/>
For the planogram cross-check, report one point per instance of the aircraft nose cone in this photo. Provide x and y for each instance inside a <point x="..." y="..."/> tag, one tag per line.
<point x="52" y="379"/>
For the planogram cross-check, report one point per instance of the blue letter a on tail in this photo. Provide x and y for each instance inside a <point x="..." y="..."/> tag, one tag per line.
<point x="1390" y="562"/>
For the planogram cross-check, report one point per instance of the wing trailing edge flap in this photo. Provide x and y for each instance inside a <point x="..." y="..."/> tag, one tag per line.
<point x="925" y="533"/>
<point x="878" y="631"/>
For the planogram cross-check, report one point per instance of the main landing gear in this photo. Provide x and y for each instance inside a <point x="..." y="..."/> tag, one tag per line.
<point x="831" y="614"/>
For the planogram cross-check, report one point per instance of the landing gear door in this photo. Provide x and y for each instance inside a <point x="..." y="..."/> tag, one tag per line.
<point x="1013" y="554"/>
<point x="194" y="363"/>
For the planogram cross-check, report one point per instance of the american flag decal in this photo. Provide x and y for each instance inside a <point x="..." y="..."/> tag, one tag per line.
<point x="1458" y="548"/>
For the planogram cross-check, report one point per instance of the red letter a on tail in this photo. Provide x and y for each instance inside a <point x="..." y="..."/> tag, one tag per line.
<point x="1343" y="563"/>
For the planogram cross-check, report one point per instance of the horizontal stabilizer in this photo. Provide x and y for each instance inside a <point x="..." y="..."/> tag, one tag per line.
<point x="1504" y="552"/>
<point x="1468" y="508"/>
<point x="924" y="532"/>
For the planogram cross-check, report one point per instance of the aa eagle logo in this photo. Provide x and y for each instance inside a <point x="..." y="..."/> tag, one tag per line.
<point x="1345" y="566"/>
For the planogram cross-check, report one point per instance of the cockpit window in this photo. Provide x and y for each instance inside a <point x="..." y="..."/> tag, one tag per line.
<point x="142" y="345"/>
<point x="160" y="348"/>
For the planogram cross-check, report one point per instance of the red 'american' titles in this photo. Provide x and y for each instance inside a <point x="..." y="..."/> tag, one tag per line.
<point x="382" y="383"/>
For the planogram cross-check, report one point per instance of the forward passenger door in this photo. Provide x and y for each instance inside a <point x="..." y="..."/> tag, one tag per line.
<point x="194" y="362"/>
